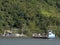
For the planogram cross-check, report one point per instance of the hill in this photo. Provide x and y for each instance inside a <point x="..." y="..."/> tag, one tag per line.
<point x="30" y="15"/>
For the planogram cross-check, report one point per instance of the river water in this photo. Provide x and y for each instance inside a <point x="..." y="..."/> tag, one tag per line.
<point x="28" y="41"/>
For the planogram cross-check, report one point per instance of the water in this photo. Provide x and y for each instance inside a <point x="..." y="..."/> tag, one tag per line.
<point x="28" y="41"/>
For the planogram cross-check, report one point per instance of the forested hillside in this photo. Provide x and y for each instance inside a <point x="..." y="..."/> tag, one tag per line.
<point x="30" y="15"/>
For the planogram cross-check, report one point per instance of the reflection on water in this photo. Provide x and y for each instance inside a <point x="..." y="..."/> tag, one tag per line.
<point x="28" y="41"/>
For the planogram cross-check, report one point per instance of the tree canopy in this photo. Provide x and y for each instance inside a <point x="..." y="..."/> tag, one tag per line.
<point x="35" y="15"/>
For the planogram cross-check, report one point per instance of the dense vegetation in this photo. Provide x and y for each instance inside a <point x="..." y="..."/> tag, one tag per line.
<point x="30" y="15"/>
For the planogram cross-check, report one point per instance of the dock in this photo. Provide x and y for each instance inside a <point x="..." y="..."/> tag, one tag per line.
<point x="40" y="36"/>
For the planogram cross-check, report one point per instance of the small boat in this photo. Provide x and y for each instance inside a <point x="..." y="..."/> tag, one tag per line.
<point x="51" y="35"/>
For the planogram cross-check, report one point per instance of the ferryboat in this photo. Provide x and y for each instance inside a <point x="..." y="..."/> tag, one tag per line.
<point x="49" y="36"/>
